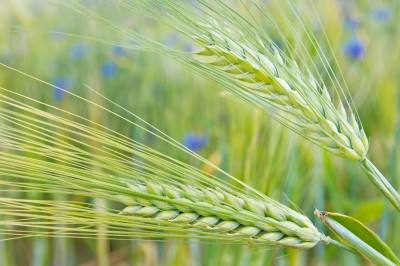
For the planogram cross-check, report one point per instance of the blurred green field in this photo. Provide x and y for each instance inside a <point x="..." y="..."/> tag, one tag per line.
<point x="67" y="49"/>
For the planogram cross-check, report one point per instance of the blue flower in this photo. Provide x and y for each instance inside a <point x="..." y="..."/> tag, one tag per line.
<point x="381" y="14"/>
<point x="118" y="50"/>
<point x="108" y="69"/>
<point x="193" y="141"/>
<point x="60" y="85"/>
<point x="354" y="47"/>
<point x="77" y="50"/>
<point x="351" y="22"/>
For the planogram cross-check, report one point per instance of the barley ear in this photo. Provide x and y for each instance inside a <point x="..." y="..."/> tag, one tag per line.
<point x="281" y="84"/>
<point x="217" y="211"/>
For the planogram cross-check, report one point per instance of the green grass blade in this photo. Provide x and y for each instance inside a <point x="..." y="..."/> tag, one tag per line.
<point x="356" y="235"/>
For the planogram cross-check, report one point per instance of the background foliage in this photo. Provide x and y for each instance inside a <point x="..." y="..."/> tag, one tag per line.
<point x="57" y="45"/>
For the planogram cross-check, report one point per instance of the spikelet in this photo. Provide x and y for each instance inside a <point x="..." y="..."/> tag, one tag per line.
<point x="281" y="84"/>
<point x="215" y="210"/>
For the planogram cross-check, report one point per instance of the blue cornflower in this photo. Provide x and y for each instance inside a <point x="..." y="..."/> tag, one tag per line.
<point x="194" y="141"/>
<point x="60" y="84"/>
<point x="381" y="14"/>
<point x="354" y="47"/>
<point x="118" y="50"/>
<point x="351" y="22"/>
<point x="77" y="50"/>
<point x="108" y="69"/>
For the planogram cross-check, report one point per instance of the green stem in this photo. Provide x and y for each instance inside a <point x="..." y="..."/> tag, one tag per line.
<point x="341" y="245"/>
<point x="360" y="247"/>
<point x="380" y="181"/>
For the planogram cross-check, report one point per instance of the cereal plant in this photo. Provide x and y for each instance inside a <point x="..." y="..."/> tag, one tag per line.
<point x="201" y="132"/>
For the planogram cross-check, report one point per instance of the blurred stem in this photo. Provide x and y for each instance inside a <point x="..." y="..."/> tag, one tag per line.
<point x="320" y="197"/>
<point x="380" y="181"/>
<point x="41" y="252"/>
<point x="102" y="242"/>
<point x="5" y="252"/>
<point x="62" y="256"/>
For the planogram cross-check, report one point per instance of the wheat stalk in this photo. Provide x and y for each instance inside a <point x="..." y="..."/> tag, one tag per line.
<point x="267" y="222"/>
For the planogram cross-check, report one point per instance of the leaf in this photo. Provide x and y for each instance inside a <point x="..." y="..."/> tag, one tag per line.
<point x="356" y="235"/>
<point x="369" y="211"/>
